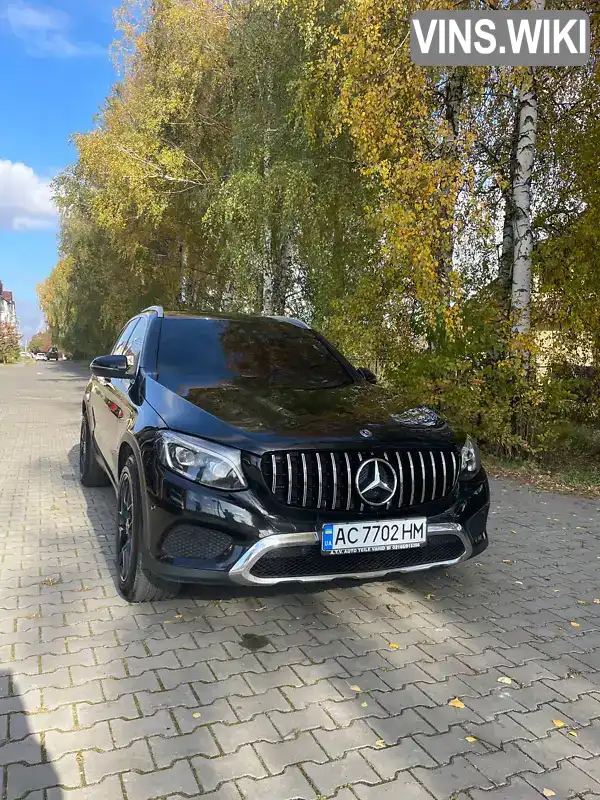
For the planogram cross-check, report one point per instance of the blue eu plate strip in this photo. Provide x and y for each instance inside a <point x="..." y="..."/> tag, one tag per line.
<point x="327" y="543"/>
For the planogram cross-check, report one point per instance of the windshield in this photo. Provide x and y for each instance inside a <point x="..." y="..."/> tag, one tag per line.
<point x="221" y="352"/>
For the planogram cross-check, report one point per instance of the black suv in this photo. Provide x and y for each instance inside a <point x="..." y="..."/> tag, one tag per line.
<point x="248" y="449"/>
<point x="52" y="354"/>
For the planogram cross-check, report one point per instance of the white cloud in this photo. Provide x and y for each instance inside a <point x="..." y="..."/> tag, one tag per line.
<point x="25" y="199"/>
<point x="45" y="31"/>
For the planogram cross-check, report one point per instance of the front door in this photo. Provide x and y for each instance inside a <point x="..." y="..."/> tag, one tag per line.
<point x="106" y="403"/>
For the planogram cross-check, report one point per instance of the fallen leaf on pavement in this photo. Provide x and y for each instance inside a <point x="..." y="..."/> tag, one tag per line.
<point x="573" y="733"/>
<point x="559" y="723"/>
<point x="456" y="703"/>
<point x="379" y="744"/>
<point x="470" y="739"/>
<point x="548" y="793"/>
<point x="505" y="680"/>
<point x="364" y="705"/>
<point x="581" y="603"/>
<point x="513" y="532"/>
<point x="394" y="646"/>
<point x="507" y="561"/>
<point x="429" y="597"/>
<point x="597" y="601"/>
<point x="197" y="715"/>
<point x="575" y="625"/>
<point x="356" y="688"/>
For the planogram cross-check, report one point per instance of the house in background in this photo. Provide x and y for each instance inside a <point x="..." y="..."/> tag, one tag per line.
<point x="8" y="310"/>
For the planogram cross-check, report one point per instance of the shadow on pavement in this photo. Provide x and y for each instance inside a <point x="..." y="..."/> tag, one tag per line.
<point x="28" y="765"/>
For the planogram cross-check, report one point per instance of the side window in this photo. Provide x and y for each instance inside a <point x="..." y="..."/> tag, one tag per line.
<point x="119" y="348"/>
<point x="135" y="343"/>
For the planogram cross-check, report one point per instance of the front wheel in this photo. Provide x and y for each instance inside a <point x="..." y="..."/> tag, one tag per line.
<point x="133" y="583"/>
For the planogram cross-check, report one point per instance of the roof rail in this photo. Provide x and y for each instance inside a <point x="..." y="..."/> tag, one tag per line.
<point x="292" y="321"/>
<point x="158" y="309"/>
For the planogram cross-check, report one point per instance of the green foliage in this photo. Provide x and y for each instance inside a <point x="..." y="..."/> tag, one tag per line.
<point x="40" y="342"/>
<point x="10" y="343"/>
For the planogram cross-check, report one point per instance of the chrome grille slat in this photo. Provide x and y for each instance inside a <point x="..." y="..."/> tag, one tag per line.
<point x="400" y="479"/>
<point x="349" y="472"/>
<point x="389" y="503"/>
<point x="326" y="480"/>
<point x="412" y="479"/>
<point x="289" y="467"/>
<point x="423" y="476"/>
<point x="305" y="480"/>
<point x="444" y="473"/>
<point x="320" y="471"/>
<point x="360" y="458"/>
<point x="335" y="481"/>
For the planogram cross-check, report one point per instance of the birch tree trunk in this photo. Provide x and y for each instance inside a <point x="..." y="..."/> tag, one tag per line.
<point x="453" y="100"/>
<point x="524" y="163"/>
<point x="505" y="269"/>
<point x="184" y="279"/>
<point x="507" y="257"/>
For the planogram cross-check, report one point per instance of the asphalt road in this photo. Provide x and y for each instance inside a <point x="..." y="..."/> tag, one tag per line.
<point x="348" y="696"/>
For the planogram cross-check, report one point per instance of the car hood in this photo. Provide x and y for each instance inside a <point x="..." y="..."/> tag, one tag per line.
<point x="259" y="420"/>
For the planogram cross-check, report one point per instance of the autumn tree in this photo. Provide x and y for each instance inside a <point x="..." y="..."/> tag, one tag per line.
<point x="10" y="343"/>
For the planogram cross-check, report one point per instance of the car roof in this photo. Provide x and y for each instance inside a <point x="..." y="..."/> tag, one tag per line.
<point x="232" y="316"/>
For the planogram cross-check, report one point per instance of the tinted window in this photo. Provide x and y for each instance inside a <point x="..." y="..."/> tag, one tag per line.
<point x="119" y="348"/>
<point x="212" y="352"/>
<point x="136" y="342"/>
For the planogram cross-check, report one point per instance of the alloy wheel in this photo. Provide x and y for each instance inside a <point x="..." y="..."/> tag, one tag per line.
<point x="82" y="448"/>
<point x="125" y="523"/>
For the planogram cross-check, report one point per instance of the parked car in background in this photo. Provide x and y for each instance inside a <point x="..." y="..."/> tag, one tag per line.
<point x="249" y="450"/>
<point x="52" y="354"/>
<point x="41" y="357"/>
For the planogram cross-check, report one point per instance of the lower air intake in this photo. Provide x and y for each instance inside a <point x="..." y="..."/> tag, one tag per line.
<point x="191" y="541"/>
<point x="299" y="562"/>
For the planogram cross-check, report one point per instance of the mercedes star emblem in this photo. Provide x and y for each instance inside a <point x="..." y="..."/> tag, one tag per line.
<point x="366" y="433"/>
<point x="376" y="482"/>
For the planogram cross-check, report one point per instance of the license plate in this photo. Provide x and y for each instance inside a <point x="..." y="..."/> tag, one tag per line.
<point x="368" y="537"/>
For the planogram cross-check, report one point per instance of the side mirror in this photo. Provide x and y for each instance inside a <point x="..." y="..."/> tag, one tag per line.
<point x="367" y="374"/>
<point x="110" y="367"/>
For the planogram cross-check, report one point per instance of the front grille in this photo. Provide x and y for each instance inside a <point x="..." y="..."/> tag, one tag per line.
<point x="326" y="480"/>
<point x="298" y="562"/>
<point x="192" y="541"/>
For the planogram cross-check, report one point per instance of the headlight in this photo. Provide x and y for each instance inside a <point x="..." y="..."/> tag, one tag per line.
<point x="204" y="462"/>
<point x="470" y="461"/>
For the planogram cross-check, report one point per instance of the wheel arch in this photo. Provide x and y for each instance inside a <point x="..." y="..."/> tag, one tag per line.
<point x="125" y="450"/>
<point x="129" y="447"/>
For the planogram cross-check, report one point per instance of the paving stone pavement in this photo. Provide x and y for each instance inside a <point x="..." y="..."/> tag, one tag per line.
<point x="349" y="698"/>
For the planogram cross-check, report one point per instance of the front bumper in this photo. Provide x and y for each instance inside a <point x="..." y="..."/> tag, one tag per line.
<point x="268" y="547"/>
<point x="242" y="572"/>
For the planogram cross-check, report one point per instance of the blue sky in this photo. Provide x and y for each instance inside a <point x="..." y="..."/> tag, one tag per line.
<point x="56" y="72"/>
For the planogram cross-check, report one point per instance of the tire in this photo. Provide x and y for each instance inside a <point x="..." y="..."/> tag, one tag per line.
<point x="132" y="581"/>
<point x="90" y="471"/>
